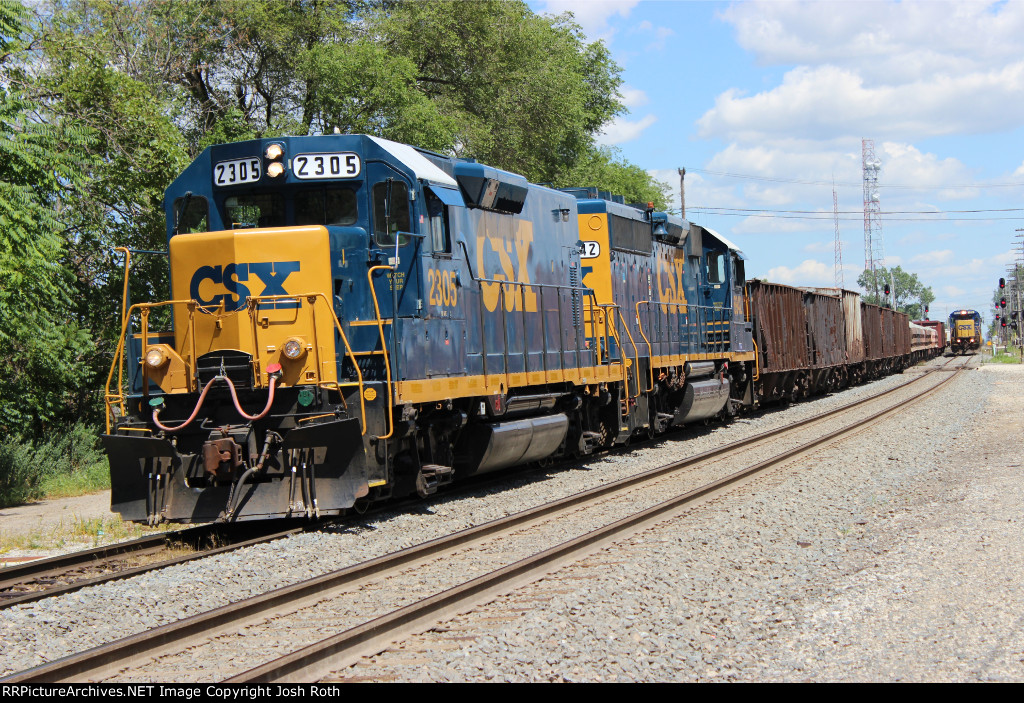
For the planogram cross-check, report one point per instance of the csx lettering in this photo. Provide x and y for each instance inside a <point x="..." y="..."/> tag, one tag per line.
<point x="516" y="297"/>
<point x="233" y="279"/>
<point x="674" y="291"/>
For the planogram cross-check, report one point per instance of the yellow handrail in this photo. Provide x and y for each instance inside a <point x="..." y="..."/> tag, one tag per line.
<point x="650" y="349"/>
<point x="312" y="298"/>
<point x="118" y="361"/>
<point x="636" y="352"/>
<point x="119" y="353"/>
<point x="383" y="343"/>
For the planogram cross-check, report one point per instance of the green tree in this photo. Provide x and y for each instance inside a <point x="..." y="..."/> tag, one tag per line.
<point x="604" y="168"/>
<point x="526" y="93"/>
<point x="907" y="293"/>
<point x="126" y="92"/>
<point x="41" y="342"/>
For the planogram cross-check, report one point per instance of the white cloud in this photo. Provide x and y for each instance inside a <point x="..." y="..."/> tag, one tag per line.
<point x="633" y="97"/>
<point x="828" y="247"/>
<point x="893" y="42"/>
<point x="933" y="258"/>
<point x="925" y="238"/>
<point x="808" y="273"/>
<point x="619" y="130"/>
<point x="827" y="102"/>
<point x="661" y="34"/>
<point x="592" y="15"/>
<point x="953" y="291"/>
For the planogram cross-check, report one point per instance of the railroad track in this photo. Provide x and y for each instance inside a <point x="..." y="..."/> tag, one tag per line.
<point x="67" y="573"/>
<point x="339" y="613"/>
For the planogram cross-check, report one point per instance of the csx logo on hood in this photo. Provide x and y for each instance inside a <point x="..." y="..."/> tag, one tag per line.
<point x="234" y="277"/>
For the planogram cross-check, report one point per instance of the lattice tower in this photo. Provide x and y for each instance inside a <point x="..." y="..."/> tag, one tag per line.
<point x="839" y="243"/>
<point x="874" y="254"/>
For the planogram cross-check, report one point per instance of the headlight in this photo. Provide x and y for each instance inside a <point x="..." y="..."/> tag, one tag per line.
<point x="275" y="169"/>
<point x="293" y="348"/>
<point x="274" y="151"/>
<point x="155" y="357"/>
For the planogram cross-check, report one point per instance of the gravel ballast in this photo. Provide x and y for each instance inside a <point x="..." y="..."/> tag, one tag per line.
<point x="720" y="594"/>
<point x="895" y="556"/>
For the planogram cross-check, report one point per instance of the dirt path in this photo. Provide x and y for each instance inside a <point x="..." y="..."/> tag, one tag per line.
<point x="49" y="523"/>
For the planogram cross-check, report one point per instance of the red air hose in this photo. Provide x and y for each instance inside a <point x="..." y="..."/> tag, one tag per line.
<point x="234" y="399"/>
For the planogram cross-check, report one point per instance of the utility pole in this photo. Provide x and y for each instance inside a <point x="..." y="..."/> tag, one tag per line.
<point x="682" y="193"/>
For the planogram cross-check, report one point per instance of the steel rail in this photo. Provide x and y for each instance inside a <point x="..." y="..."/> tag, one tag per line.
<point x="145" y="645"/>
<point x="11" y="576"/>
<point x="66" y="564"/>
<point x="309" y="662"/>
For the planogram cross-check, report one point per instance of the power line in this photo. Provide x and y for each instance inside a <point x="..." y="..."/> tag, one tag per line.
<point x="708" y="208"/>
<point x="849" y="218"/>
<point x="769" y="179"/>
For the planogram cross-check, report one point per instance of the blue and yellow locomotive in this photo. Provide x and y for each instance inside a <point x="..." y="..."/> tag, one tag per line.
<point x="965" y="333"/>
<point x="354" y="319"/>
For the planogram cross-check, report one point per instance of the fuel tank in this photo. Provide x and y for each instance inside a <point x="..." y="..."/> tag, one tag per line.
<point x="701" y="400"/>
<point x="498" y="445"/>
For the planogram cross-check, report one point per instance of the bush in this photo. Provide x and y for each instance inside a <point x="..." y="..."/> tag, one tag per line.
<point x="70" y="464"/>
<point x="18" y="480"/>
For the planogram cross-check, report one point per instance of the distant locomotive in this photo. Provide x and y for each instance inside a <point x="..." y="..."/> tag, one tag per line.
<point x="965" y="332"/>
<point x="355" y="319"/>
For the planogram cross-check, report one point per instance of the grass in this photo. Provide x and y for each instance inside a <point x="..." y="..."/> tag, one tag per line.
<point x="69" y="464"/>
<point x="1010" y="356"/>
<point x="78" y="532"/>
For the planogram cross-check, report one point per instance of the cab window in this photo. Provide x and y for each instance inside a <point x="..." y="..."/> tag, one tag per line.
<point x="716" y="267"/>
<point x="255" y="210"/>
<point x="440" y="239"/>
<point x="330" y="206"/>
<point x="387" y="224"/>
<point x="193" y="214"/>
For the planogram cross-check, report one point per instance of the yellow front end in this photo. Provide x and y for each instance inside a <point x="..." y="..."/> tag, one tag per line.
<point x="965" y="329"/>
<point x="264" y="292"/>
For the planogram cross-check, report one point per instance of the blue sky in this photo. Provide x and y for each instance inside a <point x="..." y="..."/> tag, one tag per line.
<point x="783" y="93"/>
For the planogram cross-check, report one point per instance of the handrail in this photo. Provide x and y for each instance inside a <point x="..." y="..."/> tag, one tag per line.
<point x="312" y="298"/>
<point x="636" y="353"/>
<point x="699" y="310"/>
<point x="650" y="348"/>
<point x="251" y="302"/>
<point x="383" y="345"/>
<point x="118" y="361"/>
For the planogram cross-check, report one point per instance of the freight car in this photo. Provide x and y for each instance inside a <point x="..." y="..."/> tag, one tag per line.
<point x="940" y="331"/>
<point x="353" y="319"/>
<point x="965" y="332"/>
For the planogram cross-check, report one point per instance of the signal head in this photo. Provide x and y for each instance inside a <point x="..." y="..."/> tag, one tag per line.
<point x="1002" y="283"/>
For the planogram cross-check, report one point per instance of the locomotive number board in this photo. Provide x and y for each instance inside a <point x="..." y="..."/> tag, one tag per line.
<point x="229" y="173"/>
<point x="326" y="165"/>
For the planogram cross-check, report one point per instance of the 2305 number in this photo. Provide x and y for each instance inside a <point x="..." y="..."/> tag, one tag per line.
<point x="443" y="290"/>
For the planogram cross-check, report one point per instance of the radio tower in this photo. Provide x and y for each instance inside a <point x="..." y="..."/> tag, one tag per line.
<point x="874" y="255"/>
<point x="839" y="243"/>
